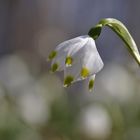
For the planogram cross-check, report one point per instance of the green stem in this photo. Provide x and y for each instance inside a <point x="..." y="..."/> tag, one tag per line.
<point x="121" y="31"/>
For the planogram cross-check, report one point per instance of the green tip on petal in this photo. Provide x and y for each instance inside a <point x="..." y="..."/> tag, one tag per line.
<point x="52" y="55"/>
<point x="54" y="67"/>
<point x="84" y="72"/>
<point x="68" y="61"/>
<point x="91" y="85"/>
<point x="68" y="81"/>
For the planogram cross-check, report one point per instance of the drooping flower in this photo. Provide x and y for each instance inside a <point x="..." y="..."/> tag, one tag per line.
<point x="78" y="58"/>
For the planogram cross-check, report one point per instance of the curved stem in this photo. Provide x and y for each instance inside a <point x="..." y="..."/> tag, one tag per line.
<point x="120" y="29"/>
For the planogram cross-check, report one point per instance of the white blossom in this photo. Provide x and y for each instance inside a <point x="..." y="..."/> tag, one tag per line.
<point x="78" y="58"/>
<point x="95" y="122"/>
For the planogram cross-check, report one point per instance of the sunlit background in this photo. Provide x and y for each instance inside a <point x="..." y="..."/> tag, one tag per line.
<point x="33" y="103"/>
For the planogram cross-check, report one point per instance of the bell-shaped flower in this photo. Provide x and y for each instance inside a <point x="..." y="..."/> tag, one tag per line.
<point x="78" y="58"/>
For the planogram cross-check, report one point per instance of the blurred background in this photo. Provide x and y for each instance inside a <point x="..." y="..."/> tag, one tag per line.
<point x="33" y="103"/>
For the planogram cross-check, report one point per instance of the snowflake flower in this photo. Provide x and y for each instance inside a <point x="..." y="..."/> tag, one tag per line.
<point x="78" y="58"/>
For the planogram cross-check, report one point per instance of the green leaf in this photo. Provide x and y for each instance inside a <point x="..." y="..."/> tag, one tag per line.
<point x="120" y="29"/>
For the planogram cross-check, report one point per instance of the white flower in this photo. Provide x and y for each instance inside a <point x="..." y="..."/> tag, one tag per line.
<point x="78" y="58"/>
<point x="95" y="122"/>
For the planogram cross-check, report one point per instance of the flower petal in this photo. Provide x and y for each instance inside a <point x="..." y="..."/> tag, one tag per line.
<point x="54" y="67"/>
<point x="66" y="49"/>
<point x="91" y="80"/>
<point x="68" y="61"/>
<point x="73" y="71"/>
<point x="52" y="55"/>
<point x="84" y="72"/>
<point x="92" y="60"/>
<point x="75" y="68"/>
<point x="68" y="80"/>
<point x="60" y="61"/>
<point x="86" y="61"/>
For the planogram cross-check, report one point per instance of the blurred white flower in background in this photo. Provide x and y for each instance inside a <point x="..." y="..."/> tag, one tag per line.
<point x="95" y="122"/>
<point x="33" y="107"/>
<point x="34" y="95"/>
<point x="35" y="101"/>
<point x="14" y="74"/>
<point x="78" y="58"/>
<point x="117" y="82"/>
<point x="51" y="93"/>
